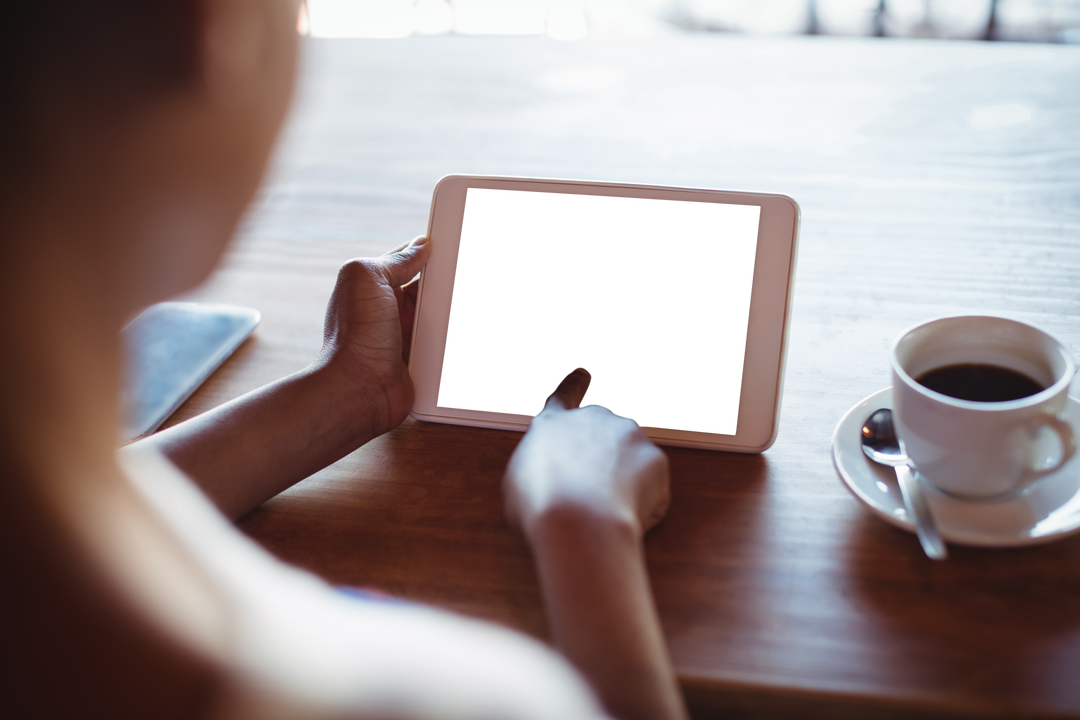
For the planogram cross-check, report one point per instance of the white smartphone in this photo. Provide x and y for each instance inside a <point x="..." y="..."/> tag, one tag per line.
<point x="676" y="300"/>
<point x="169" y="350"/>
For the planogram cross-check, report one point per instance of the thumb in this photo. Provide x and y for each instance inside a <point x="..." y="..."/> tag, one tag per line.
<point x="571" y="391"/>
<point x="401" y="265"/>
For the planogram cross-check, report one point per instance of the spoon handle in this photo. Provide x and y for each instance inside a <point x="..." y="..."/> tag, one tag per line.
<point x="919" y="512"/>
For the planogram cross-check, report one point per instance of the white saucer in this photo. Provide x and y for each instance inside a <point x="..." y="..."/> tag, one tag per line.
<point x="1049" y="511"/>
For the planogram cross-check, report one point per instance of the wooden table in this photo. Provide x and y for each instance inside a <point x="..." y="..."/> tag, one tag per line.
<point x="934" y="178"/>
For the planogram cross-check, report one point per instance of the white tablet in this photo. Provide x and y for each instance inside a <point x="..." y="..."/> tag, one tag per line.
<point x="676" y="300"/>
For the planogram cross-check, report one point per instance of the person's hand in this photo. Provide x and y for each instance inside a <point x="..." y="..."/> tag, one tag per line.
<point x="585" y="460"/>
<point x="368" y="330"/>
<point x="584" y="485"/>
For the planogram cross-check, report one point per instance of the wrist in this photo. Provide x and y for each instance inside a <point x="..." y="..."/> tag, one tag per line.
<point x="347" y="402"/>
<point x="580" y="522"/>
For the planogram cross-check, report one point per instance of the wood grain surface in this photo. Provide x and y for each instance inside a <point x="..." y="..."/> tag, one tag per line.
<point x="934" y="178"/>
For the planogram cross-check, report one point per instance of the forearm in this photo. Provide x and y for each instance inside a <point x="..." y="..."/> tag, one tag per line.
<point x="601" y="612"/>
<point x="246" y="451"/>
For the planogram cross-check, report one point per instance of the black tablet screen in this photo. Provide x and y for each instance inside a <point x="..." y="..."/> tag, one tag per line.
<point x="651" y="296"/>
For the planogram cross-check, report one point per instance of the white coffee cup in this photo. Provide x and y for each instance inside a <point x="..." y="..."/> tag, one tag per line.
<point x="982" y="450"/>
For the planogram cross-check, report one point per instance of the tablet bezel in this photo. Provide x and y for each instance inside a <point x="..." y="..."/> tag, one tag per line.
<point x="767" y="333"/>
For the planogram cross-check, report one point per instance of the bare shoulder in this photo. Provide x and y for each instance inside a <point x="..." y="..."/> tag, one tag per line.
<point x="295" y="641"/>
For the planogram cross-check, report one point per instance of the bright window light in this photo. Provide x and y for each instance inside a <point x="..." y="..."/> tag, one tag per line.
<point x="1032" y="20"/>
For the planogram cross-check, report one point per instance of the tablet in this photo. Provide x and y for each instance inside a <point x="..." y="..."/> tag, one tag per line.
<point x="676" y="300"/>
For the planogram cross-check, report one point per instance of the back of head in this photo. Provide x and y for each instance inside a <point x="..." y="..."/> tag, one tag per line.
<point x="71" y="63"/>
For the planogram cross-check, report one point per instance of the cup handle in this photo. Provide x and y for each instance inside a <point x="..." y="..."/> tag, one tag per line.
<point x="1065" y="433"/>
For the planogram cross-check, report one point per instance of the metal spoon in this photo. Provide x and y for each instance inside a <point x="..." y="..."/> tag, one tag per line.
<point x="881" y="445"/>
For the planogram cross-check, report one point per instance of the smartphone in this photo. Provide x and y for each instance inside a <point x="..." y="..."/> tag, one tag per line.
<point x="169" y="350"/>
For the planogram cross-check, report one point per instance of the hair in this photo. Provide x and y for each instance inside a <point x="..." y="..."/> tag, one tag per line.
<point x="84" y="61"/>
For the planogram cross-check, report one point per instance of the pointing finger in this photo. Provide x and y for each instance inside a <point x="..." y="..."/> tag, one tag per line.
<point x="570" y="391"/>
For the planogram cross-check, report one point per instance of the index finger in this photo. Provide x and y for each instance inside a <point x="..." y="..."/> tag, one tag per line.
<point x="571" y="391"/>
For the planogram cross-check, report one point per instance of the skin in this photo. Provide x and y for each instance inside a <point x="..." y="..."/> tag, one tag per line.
<point x="584" y="485"/>
<point x="148" y="202"/>
<point x="132" y="208"/>
<point x="246" y="451"/>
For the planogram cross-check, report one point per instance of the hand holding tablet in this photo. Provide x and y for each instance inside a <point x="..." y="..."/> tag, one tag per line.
<point x="676" y="301"/>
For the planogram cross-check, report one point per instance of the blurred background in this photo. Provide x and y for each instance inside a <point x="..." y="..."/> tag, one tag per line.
<point x="1047" y="21"/>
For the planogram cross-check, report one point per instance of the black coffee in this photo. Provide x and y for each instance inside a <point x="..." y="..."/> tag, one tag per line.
<point x="982" y="383"/>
